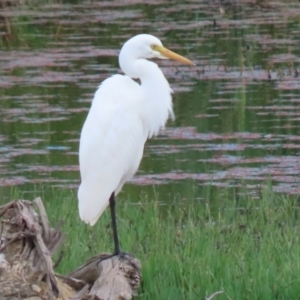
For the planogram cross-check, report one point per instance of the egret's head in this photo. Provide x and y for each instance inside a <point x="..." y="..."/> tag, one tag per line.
<point x="148" y="46"/>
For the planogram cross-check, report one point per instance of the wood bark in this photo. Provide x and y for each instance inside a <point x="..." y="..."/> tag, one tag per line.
<point x="27" y="244"/>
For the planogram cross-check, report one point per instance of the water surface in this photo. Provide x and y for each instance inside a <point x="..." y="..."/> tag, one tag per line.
<point x="237" y="110"/>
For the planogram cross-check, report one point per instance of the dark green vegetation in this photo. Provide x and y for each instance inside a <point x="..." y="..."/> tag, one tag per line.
<point x="248" y="248"/>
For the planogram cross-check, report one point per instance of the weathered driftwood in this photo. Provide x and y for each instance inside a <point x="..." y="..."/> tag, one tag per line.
<point x="27" y="242"/>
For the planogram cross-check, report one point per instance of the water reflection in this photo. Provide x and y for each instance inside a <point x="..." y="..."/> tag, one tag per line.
<point x="237" y="110"/>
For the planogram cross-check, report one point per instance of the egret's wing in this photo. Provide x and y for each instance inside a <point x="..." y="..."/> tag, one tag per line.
<point x="111" y="144"/>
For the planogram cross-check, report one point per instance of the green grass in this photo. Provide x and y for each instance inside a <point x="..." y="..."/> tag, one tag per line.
<point x="248" y="248"/>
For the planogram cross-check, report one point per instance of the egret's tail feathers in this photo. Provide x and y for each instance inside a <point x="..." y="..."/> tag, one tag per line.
<point x="92" y="202"/>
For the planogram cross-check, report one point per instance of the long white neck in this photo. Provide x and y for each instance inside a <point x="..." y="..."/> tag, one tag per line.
<point x="157" y="106"/>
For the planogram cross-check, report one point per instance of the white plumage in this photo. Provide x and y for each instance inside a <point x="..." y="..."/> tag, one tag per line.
<point x="122" y="116"/>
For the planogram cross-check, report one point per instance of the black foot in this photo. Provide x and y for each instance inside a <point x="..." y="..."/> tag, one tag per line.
<point x="119" y="254"/>
<point x="122" y="254"/>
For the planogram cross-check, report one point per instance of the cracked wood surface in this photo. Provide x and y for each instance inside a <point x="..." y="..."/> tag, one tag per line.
<point x="26" y="269"/>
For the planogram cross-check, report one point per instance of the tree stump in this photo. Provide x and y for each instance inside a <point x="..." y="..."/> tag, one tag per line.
<point x="27" y="243"/>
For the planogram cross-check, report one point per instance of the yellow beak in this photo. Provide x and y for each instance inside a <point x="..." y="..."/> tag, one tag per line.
<point x="166" y="53"/>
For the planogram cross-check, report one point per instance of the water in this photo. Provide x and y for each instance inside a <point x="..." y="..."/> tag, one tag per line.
<point x="237" y="111"/>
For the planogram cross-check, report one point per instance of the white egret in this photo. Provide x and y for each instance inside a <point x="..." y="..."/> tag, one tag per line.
<point x="122" y="116"/>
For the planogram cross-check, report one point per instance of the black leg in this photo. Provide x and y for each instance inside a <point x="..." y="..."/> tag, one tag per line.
<point x="112" y="204"/>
